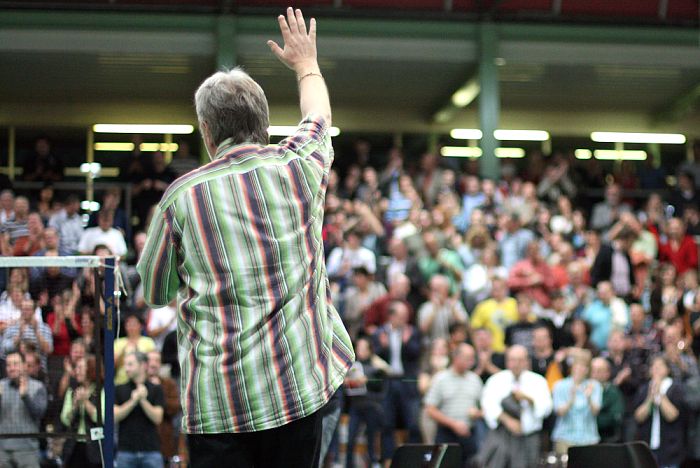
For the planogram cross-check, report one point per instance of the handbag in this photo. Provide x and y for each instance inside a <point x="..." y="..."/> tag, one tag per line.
<point x="511" y="406"/>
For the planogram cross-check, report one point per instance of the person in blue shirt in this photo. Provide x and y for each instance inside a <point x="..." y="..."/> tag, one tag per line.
<point x="577" y="401"/>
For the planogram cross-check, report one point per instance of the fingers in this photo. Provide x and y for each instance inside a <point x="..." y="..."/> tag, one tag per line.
<point x="277" y="50"/>
<point x="312" y="29"/>
<point x="301" y="22"/>
<point x="292" y="20"/>
<point x="284" y="28"/>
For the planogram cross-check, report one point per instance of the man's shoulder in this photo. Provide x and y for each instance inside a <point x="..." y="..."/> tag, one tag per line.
<point x="35" y="384"/>
<point x="125" y="387"/>
<point x="534" y="377"/>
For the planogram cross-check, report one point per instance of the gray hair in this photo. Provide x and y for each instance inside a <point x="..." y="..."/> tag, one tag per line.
<point x="233" y="105"/>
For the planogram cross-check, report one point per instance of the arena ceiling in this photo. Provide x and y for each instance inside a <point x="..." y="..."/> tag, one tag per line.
<point x="74" y="68"/>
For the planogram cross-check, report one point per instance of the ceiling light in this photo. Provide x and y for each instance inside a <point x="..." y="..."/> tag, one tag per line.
<point x="461" y="151"/>
<point x="515" y="153"/>
<point x="88" y="205"/>
<point x="620" y="137"/>
<point x="521" y="135"/>
<point x="172" y="147"/>
<point x="104" y="146"/>
<point x="511" y="135"/>
<point x="620" y="155"/>
<point x="90" y="168"/>
<point x="143" y="128"/>
<point x="287" y="130"/>
<point x="583" y="154"/>
<point x="466" y="134"/>
<point x="466" y="94"/>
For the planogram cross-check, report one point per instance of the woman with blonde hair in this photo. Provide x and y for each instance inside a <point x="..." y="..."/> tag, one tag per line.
<point x="577" y="402"/>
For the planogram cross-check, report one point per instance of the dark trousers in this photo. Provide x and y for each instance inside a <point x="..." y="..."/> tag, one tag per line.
<point x="468" y="444"/>
<point x="401" y="398"/>
<point x="294" y="445"/>
<point x="371" y="414"/>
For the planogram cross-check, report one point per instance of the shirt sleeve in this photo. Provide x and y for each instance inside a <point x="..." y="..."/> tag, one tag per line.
<point x="47" y="336"/>
<point x="311" y="140"/>
<point x="158" y="263"/>
<point x="491" y="400"/>
<point x="597" y="395"/>
<point x="67" y="410"/>
<point x="559" y="394"/>
<point x="312" y="143"/>
<point x="434" y="395"/>
<point x="156" y="398"/>
<point x="543" y="400"/>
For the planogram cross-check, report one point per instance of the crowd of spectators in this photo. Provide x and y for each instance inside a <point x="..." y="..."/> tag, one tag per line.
<point x="515" y="317"/>
<point x="510" y="316"/>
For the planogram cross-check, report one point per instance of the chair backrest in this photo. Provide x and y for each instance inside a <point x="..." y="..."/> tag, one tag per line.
<point x="632" y="455"/>
<point x="427" y="456"/>
<point x="640" y="455"/>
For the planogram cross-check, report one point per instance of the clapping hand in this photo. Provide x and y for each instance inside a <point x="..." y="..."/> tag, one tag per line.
<point x="142" y="391"/>
<point x="23" y="385"/>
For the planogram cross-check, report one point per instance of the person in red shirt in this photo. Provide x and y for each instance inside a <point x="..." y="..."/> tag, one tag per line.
<point x="377" y="313"/>
<point x="679" y="249"/>
<point x="532" y="276"/>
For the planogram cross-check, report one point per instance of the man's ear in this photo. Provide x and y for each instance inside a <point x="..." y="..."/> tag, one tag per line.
<point x="204" y="129"/>
<point x="206" y="136"/>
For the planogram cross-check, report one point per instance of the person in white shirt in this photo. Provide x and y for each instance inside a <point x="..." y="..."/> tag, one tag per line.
<point x="68" y="223"/>
<point x="342" y="260"/>
<point x="7" y="204"/>
<point x="160" y="322"/>
<point x="104" y="234"/>
<point x="514" y="402"/>
<point x="441" y="310"/>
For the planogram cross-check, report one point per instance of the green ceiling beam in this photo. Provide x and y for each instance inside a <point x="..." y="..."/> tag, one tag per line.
<point x="489" y="100"/>
<point x="106" y="20"/>
<point x="615" y="34"/>
<point x="225" y="42"/>
<point x="367" y="27"/>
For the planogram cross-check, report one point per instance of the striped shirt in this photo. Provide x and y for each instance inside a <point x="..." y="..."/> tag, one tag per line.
<point x="16" y="229"/>
<point x="238" y="243"/>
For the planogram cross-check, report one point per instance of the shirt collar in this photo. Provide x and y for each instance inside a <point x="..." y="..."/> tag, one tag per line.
<point x="228" y="148"/>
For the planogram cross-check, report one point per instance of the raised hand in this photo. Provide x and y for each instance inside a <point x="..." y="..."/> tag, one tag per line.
<point x="23" y="385"/>
<point x="299" y="52"/>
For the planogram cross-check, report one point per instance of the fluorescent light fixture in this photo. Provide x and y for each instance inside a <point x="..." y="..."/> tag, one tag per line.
<point x="512" y="135"/>
<point x="583" y="153"/>
<point x="620" y="155"/>
<point x="475" y="152"/>
<point x="466" y="134"/>
<point x="514" y="153"/>
<point x="521" y="135"/>
<point x="143" y="128"/>
<point x="461" y="151"/>
<point x="88" y="205"/>
<point x="87" y="168"/>
<point x="107" y="146"/>
<point x="287" y="130"/>
<point x="115" y="146"/>
<point x="620" y="137"/>
<point x="159" y="147"/>
<point x="466" y="94"/>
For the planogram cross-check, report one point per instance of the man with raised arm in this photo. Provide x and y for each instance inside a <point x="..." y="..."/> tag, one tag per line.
<point x="238" y="243"/>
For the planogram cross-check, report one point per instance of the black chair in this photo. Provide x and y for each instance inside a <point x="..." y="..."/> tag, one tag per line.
<point x="629" y="455"/>
<point x="427" y="456"/>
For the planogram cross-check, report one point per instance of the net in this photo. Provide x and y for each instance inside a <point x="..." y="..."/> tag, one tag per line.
<point x="57" y="317"/>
